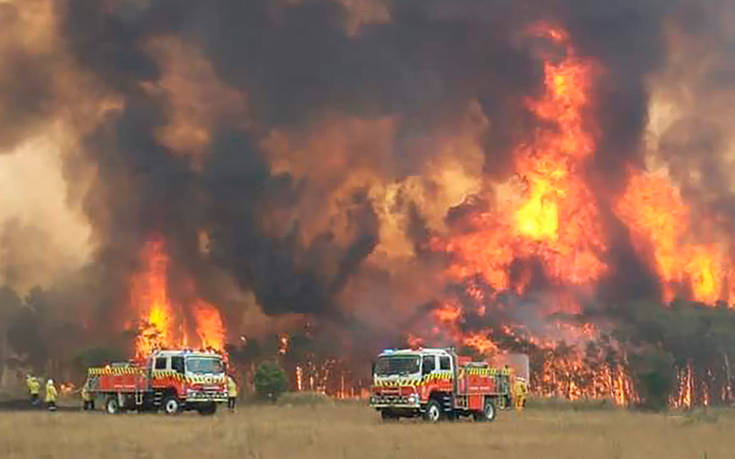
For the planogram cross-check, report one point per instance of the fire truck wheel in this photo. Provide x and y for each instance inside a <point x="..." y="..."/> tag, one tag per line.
<point x="487" y="414"/>
<point x="207" y="409"/>
<point x="112" y="406"/>
<point x="388" y="416"/>
<point x="171" y="405"/>
<point x="433" y="411"/>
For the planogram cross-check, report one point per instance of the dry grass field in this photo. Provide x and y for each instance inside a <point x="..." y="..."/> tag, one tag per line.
<point x="351" y="430"/>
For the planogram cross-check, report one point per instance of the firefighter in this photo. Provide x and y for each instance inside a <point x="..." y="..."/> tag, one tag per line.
<point x="520" y="389"/>
<point x="34" y="387"/>
<point x="231" y="393"/>
<point x="51" y="395"/>
<point x="87" y="397"/>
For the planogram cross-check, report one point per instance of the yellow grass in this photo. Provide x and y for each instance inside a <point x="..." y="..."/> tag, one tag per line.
<point x="354" y="431"/>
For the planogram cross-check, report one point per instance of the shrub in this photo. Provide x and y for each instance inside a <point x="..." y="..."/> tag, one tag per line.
<point x="654" y="377"/>
<point x="270" y="381"/>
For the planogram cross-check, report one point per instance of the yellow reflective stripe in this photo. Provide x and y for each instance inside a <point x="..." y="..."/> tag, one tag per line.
<point x="487" y="371"/>
<point x="114" y="371"/>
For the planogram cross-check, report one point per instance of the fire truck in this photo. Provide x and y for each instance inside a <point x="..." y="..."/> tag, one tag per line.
<point x="168" y="380"/>
<point x="436" y="384"/>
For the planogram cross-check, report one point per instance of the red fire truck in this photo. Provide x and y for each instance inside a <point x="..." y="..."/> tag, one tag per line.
<point x="173" y="381"/>
<point x="436" y="384"/>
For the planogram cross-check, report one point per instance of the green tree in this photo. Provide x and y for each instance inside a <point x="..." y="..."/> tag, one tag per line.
<point x="270" y="380"/>
<point x="653" y="371"/>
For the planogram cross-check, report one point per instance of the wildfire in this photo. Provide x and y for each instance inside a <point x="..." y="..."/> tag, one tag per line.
<point x="149" y="294"/>
<point x="210" y="329"/>
<point x="164" y="323"/>
<point x="284" y="342"/>
<point x="684" y="396"/>
<point x="481" y="343"/>
<point x="67" y="388"/>
<point x="566" y="373"/>
<point x="555" y="220"/>
<point x="660" y="223"/>
<point x="550" y="217"/>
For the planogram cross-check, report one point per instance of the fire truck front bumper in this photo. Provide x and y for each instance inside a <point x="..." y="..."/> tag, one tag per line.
<point x="198" y="396"/>
<point x="395" y="401"/>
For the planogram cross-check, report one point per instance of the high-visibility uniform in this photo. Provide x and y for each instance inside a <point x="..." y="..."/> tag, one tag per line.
<point x="87" y="398"/>
<point x="51" y="393"/>
<point x="231" y="387"/>
<point x="231" y="393"/>
<point x="519" y="393"/>
<point x="34" y="387"/>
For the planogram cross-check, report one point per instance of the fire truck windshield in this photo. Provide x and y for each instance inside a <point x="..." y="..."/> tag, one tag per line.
<point x="204" y="365"/>
<point x="397" y="365"/>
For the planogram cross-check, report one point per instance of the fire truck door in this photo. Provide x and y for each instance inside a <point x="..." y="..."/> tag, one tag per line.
<point x="177" y="364"/>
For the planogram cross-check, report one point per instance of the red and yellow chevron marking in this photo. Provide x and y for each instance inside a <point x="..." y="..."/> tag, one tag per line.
<point x="415" y="382"/>
<point x="115" y="371"/>
<point x="474" y="371"/>
<point x="190" y="379"/>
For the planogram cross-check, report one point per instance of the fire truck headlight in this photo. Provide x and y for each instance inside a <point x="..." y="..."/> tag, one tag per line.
<point x="412" y="399"/>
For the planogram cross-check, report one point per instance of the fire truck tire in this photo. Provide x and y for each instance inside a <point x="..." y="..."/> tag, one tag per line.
<point x="111" y="405"/>
<point x="207" y="409"/>
<point x="171" y="405"/>
<point x="488" y="413"/>
<point x="388" y="416"/>
<point x="433" y="411"/>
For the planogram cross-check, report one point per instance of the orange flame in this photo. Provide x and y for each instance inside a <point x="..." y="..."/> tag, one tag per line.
<point x="149" y="295"/>
<point x="163" y="323"/>
<point x="284" y="342"/>
<point x="66" y="388"/>
<point x="556" y="219"/>
<point x="683" y="398"/>
<point x="659" y="222"/>
<point x="210" y="328"/>
<point x="481" y="343"/>
<point x="553" y="218"/>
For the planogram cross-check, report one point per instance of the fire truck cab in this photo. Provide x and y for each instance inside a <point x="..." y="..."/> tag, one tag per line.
<point x="171" y="380"/>
<point x="436" y="384"/>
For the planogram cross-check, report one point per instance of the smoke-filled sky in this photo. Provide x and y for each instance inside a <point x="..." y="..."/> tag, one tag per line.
<point x="299" y="156"/>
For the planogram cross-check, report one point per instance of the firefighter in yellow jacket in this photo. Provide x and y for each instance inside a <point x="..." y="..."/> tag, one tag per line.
<point x="231" y="393"/>
<point x="51" y="395"/>
<point x="520" y="389"/>
<point x="34" y="387"/>
<point x="87" y="397"/>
